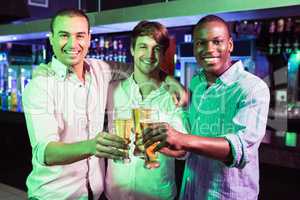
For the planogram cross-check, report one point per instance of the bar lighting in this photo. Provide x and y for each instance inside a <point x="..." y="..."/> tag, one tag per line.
<point x="291" y="139"/>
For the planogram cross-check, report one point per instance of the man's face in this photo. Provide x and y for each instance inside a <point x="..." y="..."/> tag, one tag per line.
<point x="70" y="39"/>
<point x="212" y="47"/>
<point x="147" y="54"/>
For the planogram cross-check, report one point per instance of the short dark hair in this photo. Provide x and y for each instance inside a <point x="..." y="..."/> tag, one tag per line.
<point x="212" y="18"/>
<point x="70" y="13"/>
<point x="152" y="29"/>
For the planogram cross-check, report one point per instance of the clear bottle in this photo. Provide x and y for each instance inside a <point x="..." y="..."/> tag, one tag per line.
<point x="12" y="91"/>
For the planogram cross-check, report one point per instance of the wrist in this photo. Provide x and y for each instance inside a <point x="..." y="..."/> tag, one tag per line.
<point x="92" y="146"/>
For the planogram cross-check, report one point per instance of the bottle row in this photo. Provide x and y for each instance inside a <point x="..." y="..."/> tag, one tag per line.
<point x="108" y="49"/>
<point x="13" y="79"/>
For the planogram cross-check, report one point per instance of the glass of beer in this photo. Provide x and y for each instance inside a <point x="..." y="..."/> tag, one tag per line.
<point x="139" y="146"/>
<point x="149" y="118"/>
<point x="122" y="125"/>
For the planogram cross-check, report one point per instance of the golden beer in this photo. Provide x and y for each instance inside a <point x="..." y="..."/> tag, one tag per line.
<point x="151" y="160"/>
<point x="122" y="128"/>
<point x="139" y="148"/>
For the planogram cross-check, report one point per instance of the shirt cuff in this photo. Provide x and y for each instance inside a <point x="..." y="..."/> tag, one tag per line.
<point x="238" y="150"/>
<point x="186" y="155"/>
<point x="39" y="152"/>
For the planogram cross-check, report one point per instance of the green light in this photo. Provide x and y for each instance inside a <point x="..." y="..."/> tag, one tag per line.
<point x="294" y="62"/>
<point x="291" y="139"/>
<point x="298" y="56"/>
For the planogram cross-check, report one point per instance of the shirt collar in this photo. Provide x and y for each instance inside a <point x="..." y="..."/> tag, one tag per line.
<point x="229" y="76"/>
<point x="134" y="86"/>
<point x="61" y="70"/>
<point x="232" y="73"/>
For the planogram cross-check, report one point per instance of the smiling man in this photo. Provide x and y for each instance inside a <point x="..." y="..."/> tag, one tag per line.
<point x="227" y="117"/>
<point x="144" y="88"/>
<point x="65" y="114"/>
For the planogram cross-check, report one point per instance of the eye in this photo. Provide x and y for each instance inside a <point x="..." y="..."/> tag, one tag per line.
<point x="199" y="43"/>
<point x="217" y="42"/>
<point x="157" y="49"/>
<point x="81" y="36"/>
<point x="63" y="35"/>
<point x="142" y="46"/>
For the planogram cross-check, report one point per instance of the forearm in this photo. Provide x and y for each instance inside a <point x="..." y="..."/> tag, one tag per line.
<point x="216" y="148"/>
<point x="173" y="153"/>
<point x="58" y="153"/>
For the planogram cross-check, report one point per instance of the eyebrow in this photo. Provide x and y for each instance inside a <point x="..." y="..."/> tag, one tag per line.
<point x="66" y="32"/>
<point x="215" y="38"/>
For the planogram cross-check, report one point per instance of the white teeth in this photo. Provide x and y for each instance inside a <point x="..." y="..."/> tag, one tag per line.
<point x="147" y="62"/>
<point x="211" y="59"/>
<point x="71" y="52"/>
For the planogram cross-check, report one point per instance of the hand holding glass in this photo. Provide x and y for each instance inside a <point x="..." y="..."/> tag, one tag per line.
<point x="122" y="124"/>
<point x="149" y="118"/>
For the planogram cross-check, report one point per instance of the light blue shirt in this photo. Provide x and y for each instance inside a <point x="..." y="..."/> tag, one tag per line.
<point x="235" y="107"/>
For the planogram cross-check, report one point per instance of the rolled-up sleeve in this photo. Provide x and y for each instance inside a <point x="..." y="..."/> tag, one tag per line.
<point x="251" y="120"/>
<point x="41" y="123"/>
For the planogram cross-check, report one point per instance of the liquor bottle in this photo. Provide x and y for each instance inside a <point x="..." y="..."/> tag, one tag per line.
<point x="12" y="90"/>
<point x="279" y="31"/>
<point x="106" y="48"/>
<point x="101" y="50"/>
<point x="296" y="35"/>
<point x="256" y="28"/>
<point x="288" y="35"/>
<point x="272" y="37"/>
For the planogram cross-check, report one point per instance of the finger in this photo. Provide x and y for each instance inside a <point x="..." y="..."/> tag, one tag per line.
<point x="154" y="132"/>
<point x="175" y="99"/>
<point x="113" y="137"/>
<point x="110" y="150"/>
<point x="106" y="142"/>
<point x="160" y="146"/>
<point x="158" y="138"/>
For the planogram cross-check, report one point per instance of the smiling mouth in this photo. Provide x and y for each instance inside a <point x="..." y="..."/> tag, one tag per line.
<point x="146" y="62"/>
<point x="71" y="53"/>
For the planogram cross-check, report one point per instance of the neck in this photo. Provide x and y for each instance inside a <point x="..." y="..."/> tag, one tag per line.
<point x="79" y="71"/>
<point x="147" y="82"/>
<point x="211" y="77"/>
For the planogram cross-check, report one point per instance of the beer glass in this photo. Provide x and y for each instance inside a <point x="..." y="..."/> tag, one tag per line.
<point x="139" y="147"/>
<point x="149" y="118"/>
<point x="122" y="125"/>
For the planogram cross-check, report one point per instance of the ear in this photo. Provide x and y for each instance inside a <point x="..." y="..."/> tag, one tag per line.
<point x="51" y="38"/>
<point x="230" y="44"/>
<point x="131" y="50"/>
<point x="89" y="39"/>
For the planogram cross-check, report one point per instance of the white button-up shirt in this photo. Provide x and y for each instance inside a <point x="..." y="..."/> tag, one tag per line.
<point x="131" y="181"/>
<point x="61" y="108"/>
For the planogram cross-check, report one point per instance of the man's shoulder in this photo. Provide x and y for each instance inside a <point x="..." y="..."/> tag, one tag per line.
<point x="250" y="82"/>
<point x="37" y="88"/>
<point x="97" y="63"/>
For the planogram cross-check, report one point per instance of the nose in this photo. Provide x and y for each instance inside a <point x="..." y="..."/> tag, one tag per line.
<point x="209" y="47"/>
<point x="151" y="54"/>
<point x="71" y="41"/>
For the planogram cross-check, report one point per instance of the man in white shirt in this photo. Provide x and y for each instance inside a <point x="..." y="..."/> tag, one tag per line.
<point x="64" y="107"/>
<point x="64" y="115"/>
<point x="144" y="88"/>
